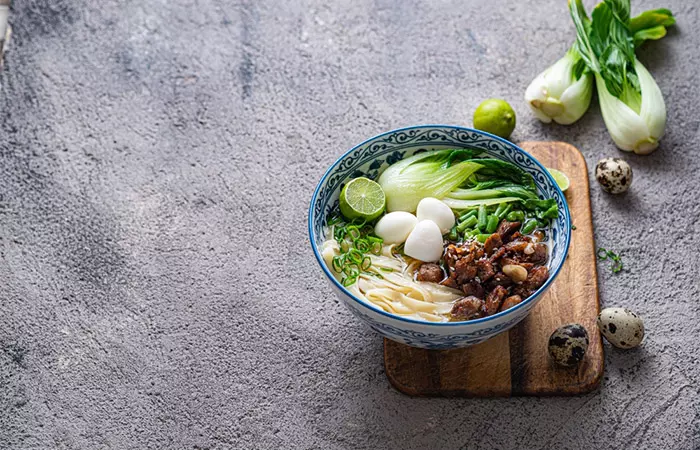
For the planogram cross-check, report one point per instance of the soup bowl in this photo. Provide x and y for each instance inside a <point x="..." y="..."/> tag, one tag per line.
<point x="374" y="155"/>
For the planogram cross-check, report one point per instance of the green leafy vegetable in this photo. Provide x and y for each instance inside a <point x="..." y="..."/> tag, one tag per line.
<point x="465" y="204"/>
<point x="630" y="100"/>
<point x="429" y="174"/>
<point x="507" y="190"/>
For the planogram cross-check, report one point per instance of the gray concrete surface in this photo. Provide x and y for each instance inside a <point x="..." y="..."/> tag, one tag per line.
<point x="156" y="163"/>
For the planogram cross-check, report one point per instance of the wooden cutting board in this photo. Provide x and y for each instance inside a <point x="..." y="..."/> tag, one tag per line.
<point x="516" y="362"/>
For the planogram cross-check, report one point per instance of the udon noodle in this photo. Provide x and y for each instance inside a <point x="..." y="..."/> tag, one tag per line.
<point x="389" y="284"/>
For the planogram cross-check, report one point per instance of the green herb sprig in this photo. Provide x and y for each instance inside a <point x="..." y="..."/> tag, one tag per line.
<point x="604" y="254"/>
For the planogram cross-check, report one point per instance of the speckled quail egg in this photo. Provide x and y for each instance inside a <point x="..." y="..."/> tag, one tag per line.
<point x="568" y="344"/>
<point x="614" y="175"/>
<point x="395" y="227"/>
<point x="433" y="209"/>
<point x="621" y="327"/>
<point x="425" y="242"/>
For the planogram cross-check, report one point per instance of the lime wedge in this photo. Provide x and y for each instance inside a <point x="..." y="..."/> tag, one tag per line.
<point x="362" y="198"/>
<point x="561" y="179"/>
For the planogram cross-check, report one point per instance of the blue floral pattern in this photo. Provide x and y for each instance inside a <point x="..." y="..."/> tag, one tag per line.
<point x="373" y="156"/>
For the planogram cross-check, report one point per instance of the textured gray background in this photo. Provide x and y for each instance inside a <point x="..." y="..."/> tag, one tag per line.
<point x="158" y="289"/>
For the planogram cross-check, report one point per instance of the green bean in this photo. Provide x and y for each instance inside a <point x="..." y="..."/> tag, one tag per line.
<point x="470" y="234"/>
<point x="482" y="237"/>
<point x="529" y="226"/>
<point x="542" y="223"/>
<point x="492" y="224"/>
<point x="505" y="211"/>
<point x="482" y="222"/>
<point x="516" y="216"/>
<point x="501" y="207"/>
<point x="464" y="217"/>
<point x="453" y="234"/>
<point x="469" y="223"/>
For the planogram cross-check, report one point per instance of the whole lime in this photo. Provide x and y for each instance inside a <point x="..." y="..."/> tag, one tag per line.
<point x="495" y="116"/>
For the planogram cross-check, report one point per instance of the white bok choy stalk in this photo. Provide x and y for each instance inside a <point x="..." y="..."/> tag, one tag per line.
<point x="630" y="100"/>
<point x="639" y="124"/>
<point x="562" y="92"/>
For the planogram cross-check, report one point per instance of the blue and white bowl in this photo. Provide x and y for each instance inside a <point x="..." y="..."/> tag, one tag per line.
<point x="374" y="155"/>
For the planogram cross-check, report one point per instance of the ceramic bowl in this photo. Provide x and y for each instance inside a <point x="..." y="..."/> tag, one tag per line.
<point x="374" y="155"/>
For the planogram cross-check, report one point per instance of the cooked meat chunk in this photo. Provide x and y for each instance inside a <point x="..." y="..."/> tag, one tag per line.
<point x="494" y="300"/>
<point x="450" y="282"/>
<point x="516" y="246"/>
<point x="492" y="243"/>
<point x="498" y="254"/>
<point x="539" y="254"/>
<point x="474" y="289"/>
<point x="465" y="270"/>
<point x="500" y="279"/>
<point x="535" y="278"/>
<point x="485" y="270"/>
<point x="516" y="260"/>
<point x="467" y="308"/>
<point x="494" y="276"/>
<point x="506" y="229"/>
<point x="430" y="272"/>
<point x="510" y="302"/>
<point x="538" y="236"/>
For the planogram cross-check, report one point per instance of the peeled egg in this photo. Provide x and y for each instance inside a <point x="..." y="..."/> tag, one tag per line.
<point x="433" y="209"/>
<point x="395" y="227"/>
<point x="425" y="242"/>
<point x="621" y="327"/>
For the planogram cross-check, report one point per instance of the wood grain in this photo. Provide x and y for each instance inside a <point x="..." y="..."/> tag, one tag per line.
<point x="516" y="362"/>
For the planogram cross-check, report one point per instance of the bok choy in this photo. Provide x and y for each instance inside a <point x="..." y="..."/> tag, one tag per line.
<point x="604" y="54"/>
<point x="455" y="177"/>
<point x="630" y="100"/>
<point x="429" y="174"/>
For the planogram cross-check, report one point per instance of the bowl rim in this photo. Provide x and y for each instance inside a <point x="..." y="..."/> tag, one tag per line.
<point x="482" y="320"/>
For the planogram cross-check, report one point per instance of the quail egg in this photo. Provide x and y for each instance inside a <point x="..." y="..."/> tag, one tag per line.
<point x="568" y="344"/>
<point x="433" y="209"/>
<point x="621" y="327"/>
<point x="614" y="175"/>
<point x="395" y="227"/>
<point x="425" y="242"/>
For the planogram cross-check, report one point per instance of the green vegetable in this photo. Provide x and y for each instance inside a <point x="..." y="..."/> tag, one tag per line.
<point x="604" y="254"/>
<point x="356" y="244"/>
<point x="511" y="190"/>
<point x="562" y="92"/>
<point x="452" y="235"/>
<point x="516" y="216"/>
<point x="428" y="174"/>
<point x="482" y="237"/>
<point x="630" y="100"/>
<point x="464" y="204"/>
<point x="482" y="219"/>
<point x="469" y="223"/>
<point x="551" y="213"/>
<point x="505" y="212"/>
<point x="529" y="226"/>
<point x="492" y="223"/>
<point x="465" y="216"/>
<point x="503" y="170"/>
